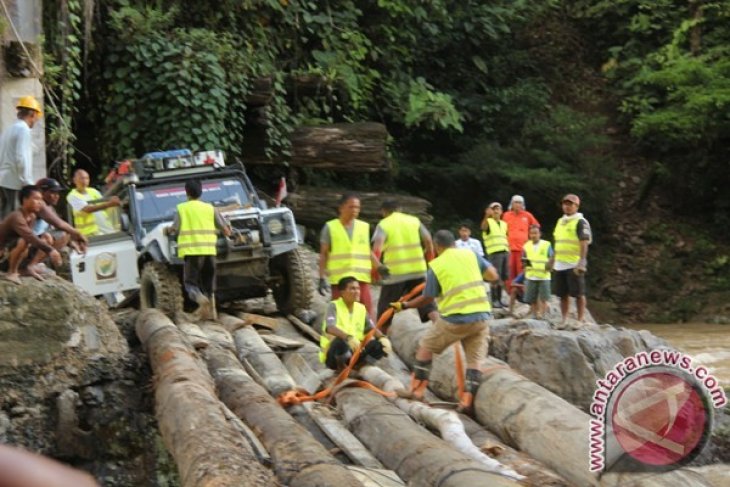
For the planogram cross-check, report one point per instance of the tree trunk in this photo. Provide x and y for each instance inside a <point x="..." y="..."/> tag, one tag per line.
<point x="208" y="451"/>
<point x="416" y="455"/>
<point x="447" y="423"/>
<point x="347" y="147"/>
<point x="299" y="460"/>
<point x="314" y="206"/>
<point x="536" y="472"/>
<point x="524" y="414"/>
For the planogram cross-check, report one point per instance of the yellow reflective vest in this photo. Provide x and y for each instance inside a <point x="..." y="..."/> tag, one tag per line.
<point x="83" y="221"/>
<point x="462" y="285"/>
<point x="402" y="252"/>
<point x="350" y="323"/>
<point x="496" y="240"/>
<point x="349" y="257"/>
<point x="538" y="260"/>
<point x="197" y="234"/>
<point x="567" y="244"/>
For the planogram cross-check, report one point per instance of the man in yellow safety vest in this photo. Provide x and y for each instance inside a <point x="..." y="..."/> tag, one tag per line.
<point x="344" y="250"/>
<point x="89" y="219"/>
<point x="196" y="224"/>
<point x="456" y="280"/>
<point x="402" y="241"/>
<point x="345" y="324"/>
<point x="572" y="237"/>
<point x="494" y="235"/>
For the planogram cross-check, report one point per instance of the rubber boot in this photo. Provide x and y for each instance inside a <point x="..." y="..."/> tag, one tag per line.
<point x="419" y="379"/>
<point x="473" y="380"/>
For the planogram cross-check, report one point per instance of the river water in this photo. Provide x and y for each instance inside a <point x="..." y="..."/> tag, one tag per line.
<point x="708" y="345"/>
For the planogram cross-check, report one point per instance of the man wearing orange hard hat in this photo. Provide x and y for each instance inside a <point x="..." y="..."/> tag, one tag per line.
<point x="16" y="154"/>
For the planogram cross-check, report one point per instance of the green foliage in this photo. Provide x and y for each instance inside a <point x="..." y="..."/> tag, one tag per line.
<point x="62" y="77"/>
<point x="170" y="87"/>
<point x="431" y="109"/>
<point x="559" y="152"/>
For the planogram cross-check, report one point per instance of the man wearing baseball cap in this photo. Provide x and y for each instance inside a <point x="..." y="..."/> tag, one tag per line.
<point x="16" y="154"/>
<point x="572" y="237"/>
<point x="49" y="226"/>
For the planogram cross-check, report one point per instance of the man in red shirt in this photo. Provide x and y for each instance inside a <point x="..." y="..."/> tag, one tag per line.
<point x="518" y="224"/>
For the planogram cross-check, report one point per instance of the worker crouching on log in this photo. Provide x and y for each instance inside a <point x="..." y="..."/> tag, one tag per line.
<point x="345" y="325"/>
<point x="455" y="279"/>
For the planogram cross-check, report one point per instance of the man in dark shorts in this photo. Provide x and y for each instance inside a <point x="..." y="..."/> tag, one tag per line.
<point x="572" y="237"/>
<point x="401" y="242"/>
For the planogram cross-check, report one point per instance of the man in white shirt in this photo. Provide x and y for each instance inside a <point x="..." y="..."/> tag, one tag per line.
<point x="466" y="242"/>
<point x="16" y="154"/>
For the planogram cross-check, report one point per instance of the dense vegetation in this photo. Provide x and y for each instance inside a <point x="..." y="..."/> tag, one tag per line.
<point x="483" y="99"/>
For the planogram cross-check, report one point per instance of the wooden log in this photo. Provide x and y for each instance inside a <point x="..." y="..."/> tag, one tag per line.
<point x="447" y="423"/>
<point x="536" y="472"/>
<point x="298" y="459"/>
<point x="341" y="436"/>
<point x="260" y="92"/>
<point x="307" y="330"/>
<point x="260" y="361"/>
<point x="279" y="342"/>
<point x="526" y="415"/>
<point x="417" y="456"/>
<point x="252" y="349"/>
<point x="314" y="206"/>
<point x="343" y="147"/>
<point x="208" y="451"/>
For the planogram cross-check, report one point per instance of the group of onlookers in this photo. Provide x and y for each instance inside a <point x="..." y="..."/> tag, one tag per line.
<point x="525" y="263"/>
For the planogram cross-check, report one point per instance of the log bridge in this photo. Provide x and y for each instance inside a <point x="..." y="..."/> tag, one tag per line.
<point x="215" y="389"/>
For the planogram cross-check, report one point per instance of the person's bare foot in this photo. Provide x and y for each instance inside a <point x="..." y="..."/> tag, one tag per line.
<point x="30" y="272"/>
<point x="13" y="277"/>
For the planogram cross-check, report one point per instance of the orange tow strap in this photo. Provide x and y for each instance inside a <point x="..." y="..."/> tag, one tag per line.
<point x="297" y="396"/>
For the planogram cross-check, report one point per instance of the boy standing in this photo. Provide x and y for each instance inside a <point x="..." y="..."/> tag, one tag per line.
<point x="494" y="234"/>
<point x="538" y="258"/>
<point x="466" y="242"/>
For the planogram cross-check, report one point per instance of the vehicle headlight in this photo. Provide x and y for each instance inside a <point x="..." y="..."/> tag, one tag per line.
<point x="275" y="226"/>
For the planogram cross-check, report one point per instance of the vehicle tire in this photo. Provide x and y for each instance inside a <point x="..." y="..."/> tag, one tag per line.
<point x="297" y="289"/>
<point x="160" y="288"/>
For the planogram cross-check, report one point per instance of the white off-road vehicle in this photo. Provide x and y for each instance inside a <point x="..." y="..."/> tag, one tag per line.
<point x="136" y="254"/>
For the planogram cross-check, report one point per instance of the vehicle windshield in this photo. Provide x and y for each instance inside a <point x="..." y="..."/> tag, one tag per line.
<point x="159" y="203"/>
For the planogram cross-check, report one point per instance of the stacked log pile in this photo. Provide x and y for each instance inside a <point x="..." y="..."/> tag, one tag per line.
<point x="314" y="206"/>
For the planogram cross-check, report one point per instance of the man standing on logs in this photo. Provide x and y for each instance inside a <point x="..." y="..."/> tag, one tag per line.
<point x="344" y="250"/>
<point x="456" y="280"/>
<point x="403" y="240"/>
<point x="195" y="224"/>
<point x="345" y="325"/>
